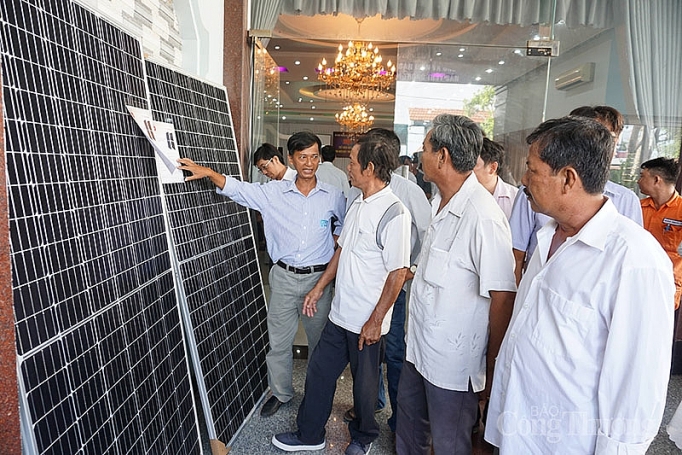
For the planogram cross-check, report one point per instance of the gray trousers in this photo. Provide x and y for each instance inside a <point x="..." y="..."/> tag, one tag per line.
<point x="287" y="291"/>
<point x="428" y="414"/>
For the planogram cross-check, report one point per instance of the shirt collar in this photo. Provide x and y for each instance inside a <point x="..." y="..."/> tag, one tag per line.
<point x="502" y="189"/>
<point x="457" y="203"/>
<point x="649" y="201"/>
<point x="594" y="233"/>
<point x="381" y="193"/>
<point x="290" y="185"/>
<point x="672" y="200"/>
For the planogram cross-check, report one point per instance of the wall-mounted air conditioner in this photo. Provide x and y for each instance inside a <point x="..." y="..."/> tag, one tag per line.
<point x="575" y="77"/>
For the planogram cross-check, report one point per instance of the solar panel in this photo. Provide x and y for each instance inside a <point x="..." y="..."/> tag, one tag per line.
<point x="100" y="346"/>
<point x="215" y="252"/>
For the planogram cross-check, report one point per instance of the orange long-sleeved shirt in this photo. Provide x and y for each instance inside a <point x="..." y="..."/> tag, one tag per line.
<point x="665" y="224"/>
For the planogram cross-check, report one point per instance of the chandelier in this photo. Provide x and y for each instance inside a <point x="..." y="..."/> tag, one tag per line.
<point x="358" y="73"/>
<point x="355" y="118"/>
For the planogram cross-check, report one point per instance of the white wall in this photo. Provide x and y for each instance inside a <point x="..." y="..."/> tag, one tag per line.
<point x="153" y="22"/>
<point x="187" y="34"/>
<point x="201" y="26"/>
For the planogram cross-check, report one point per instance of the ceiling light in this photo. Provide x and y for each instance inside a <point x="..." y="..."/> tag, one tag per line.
<point x="422" y="68"/>
<point x="313" y="106"/>
<point x="371" y="109"/>
<point x="286" y="82"/>
<point x="276" y="48"/>
<point x="305" y="78"/>
<point x="284" y="117"/>
<point x="489" y="70"/>
<point x="357" y="72"/>
<point x="438" y="54"/>
<point x="354" y="118"/>
<point x="501" y="62"/>
<point x="461" y="49"/>
<point x="312" y="118"/>
<point x="477" y="78"/>
<point x="297" y="62"/>
<point x="460" y="55"/>
<point x="518" y="52"/>
<point x="300" y="99"/>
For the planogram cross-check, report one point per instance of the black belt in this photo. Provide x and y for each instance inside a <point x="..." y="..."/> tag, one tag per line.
<point x="303" y="270"/>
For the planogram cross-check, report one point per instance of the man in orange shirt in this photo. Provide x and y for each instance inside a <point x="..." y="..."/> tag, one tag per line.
<point x="662" y="211"/>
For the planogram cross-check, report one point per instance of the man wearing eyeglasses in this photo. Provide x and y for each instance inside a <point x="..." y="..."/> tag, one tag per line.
<point x="270" y="162"/>
<point x="297" y="217"/>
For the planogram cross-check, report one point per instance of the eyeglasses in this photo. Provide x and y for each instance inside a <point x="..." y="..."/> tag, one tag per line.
<point x="262" y="168"/>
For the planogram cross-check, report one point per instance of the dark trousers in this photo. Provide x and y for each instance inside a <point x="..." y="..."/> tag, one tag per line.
<point x="395" y="354"/>
<point x="336" y="348"/>
<point x="428" y="414"/>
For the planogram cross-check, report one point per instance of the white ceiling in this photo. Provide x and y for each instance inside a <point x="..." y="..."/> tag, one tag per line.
<point x="429" y="51"/>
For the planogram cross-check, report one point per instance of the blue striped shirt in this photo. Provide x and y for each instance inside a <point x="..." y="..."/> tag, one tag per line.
<point x="297" y="228"/>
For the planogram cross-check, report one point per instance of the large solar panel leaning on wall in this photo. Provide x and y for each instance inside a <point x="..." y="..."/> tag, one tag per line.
<point x="100" y="348"/>
<point x="216" y="254"/>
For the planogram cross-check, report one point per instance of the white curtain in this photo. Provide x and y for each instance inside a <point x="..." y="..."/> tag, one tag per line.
<point x="654" y="40"/>
<point x="264" y="14"/>
<point x="594" y="13"/>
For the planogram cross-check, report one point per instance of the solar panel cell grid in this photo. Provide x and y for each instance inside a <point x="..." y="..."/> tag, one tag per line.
<point x="92" y="383"/>
<point x="215" y="250"/>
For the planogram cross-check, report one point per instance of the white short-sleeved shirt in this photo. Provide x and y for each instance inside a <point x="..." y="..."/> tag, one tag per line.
<point x="585" y="361"/>
<point x="504" y="195"/>
<point x="465" y="255"/>
<point x="414" y="199"/>
<point x="363" y="265"/>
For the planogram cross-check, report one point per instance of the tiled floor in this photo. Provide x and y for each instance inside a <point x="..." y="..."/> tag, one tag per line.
<point x="254" y="439"/>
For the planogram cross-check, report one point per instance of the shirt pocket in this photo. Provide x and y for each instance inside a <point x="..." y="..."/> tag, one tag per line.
<point x="672" y="236"/>
<point x="365" y="244"/>
<point x="563" y="326"/>
<point x="436" y="268"/>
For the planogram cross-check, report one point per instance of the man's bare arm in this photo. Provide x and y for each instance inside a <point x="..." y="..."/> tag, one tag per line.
<point x="519" y="260"/>
<point x="501" y="308"/>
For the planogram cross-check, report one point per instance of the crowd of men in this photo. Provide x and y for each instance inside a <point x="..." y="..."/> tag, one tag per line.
<point x="551" y="305"/>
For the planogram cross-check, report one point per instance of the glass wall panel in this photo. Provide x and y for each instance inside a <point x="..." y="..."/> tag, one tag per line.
<point x="265" y="104"/>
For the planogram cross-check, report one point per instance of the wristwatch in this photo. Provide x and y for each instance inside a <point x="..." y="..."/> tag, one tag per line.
<point x="413" y="269"/>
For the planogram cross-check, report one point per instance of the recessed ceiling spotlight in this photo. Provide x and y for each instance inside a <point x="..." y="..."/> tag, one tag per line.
<point x="311" y="101"/>
<point x="305" y="78"/>
<point x="438" y="54"/>
<point x="461" y="49"/>
<point x="518" y="52"/>
<point x="286" y="82"/>
<point x="489" y="70"/>
<point x="477" y="78"/>
<point x="312" y="118"/>
<point x="276" y="48"/>
<point x="313" y="106"/>
<point x="300" y="99"/>
<point x="297" y="62"/>
<point x="501" y="62"/>
<point x="422" y="68"/>
<point x="371" y="109"/>
<point x="284" y="117"/>
<point x="460" y="55"/>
